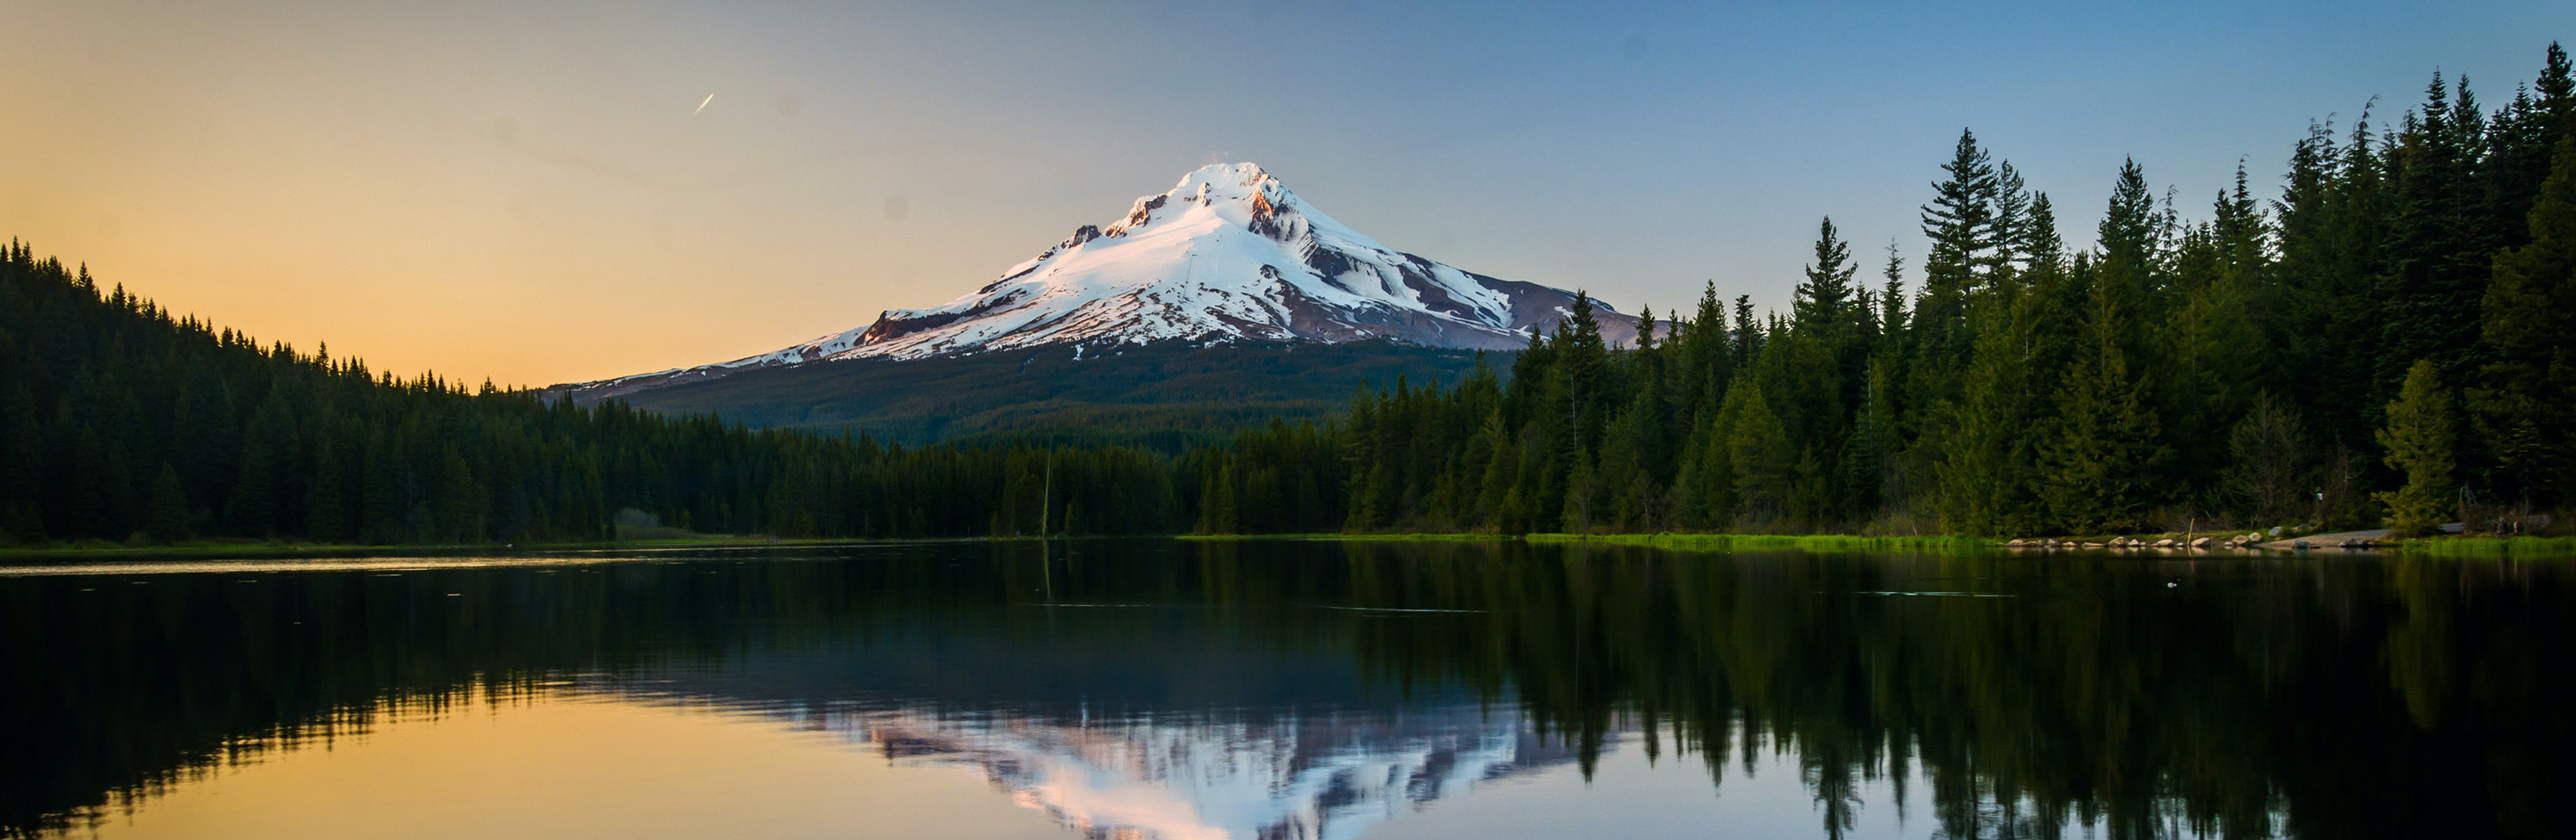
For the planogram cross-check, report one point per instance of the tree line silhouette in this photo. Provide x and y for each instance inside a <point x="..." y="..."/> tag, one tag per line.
<point x="119" y="421"/>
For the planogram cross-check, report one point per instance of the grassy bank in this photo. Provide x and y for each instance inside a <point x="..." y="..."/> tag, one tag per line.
<point x="2460" y="547"/>
<point x="1773" y="542"/>
<point x="2492" y="547"/>
<point x="1355" y="537"/>
<point x="1680" y="542"/>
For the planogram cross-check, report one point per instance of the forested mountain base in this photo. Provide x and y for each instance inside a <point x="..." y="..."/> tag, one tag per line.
<point x="2393" y="338"/>
<point x="1171" y="397"/>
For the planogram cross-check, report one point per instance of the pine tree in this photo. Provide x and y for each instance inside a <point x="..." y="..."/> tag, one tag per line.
<point x="2269" y="469"/>
<point x="2009" y="231"/>
<point x="2521" y="140"/>
<point x="1501" y="471"/>
<point x="1758" y="455"/>
<point x="1581" y="369"/>
<point x="1892" y="312"/>
<point x="1512" y="516"/>
<point x="2052" y="307"/>
<point x="2421" y="438"/>
<point x="1960" y="223"/>
<point x="2557" y="90"/>
<point x="166" y="518"/>
<point x="1823" y="298"/>
<point x="1747" y="332"/>
<point x="1218" y="514"/>
<point x="1706" y="360"/>
<point x="1582" y="495"/>
<point x="2131" y="238"/>
<point x="1869" y="476"/>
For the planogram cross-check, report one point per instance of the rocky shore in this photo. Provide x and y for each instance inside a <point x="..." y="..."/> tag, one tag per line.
<point x="2213" y="542"/>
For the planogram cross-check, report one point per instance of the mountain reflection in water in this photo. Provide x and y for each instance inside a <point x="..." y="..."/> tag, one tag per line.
<point x="1197" y="778"/>
<point x="1319" y="689"/>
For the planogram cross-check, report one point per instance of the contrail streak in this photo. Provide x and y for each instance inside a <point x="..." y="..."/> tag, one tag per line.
<point x="702" y="106"/>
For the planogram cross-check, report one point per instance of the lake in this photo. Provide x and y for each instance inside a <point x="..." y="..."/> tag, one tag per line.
<point x="1287" y="689"/>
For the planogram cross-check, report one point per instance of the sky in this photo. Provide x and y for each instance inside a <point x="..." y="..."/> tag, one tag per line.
<point x="538" y="192"/>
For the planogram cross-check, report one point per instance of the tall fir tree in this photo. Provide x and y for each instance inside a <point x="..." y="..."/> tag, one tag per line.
<point x="1823" y="299"/>
<point x="2422" y="444"/>
<point x="1893" y="312"/>
<point x="1960" y="224"/>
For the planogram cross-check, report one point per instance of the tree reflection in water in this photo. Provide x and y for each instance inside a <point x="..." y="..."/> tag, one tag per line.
<point x="2312" y="697"/>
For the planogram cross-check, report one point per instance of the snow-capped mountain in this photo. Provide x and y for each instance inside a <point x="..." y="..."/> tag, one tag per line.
<point x="1226" y="255"/>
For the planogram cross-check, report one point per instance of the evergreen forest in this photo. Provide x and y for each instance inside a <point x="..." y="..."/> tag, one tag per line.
<point x="2390" y="337"/>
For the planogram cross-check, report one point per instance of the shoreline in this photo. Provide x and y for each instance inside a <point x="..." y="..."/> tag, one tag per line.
<point x="2471" y="547"/>
<point x="223" y="551"/>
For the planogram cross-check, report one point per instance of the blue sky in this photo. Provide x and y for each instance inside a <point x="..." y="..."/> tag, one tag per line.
<point x="523" y="190"/>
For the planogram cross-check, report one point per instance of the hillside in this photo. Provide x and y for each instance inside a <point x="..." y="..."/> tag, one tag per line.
<point x="1167" y="396"/>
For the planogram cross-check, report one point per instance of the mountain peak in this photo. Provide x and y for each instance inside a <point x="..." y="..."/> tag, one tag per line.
<point x="1245" y="174"/>
<point x="1241" y="194"/>
<point x="1243" y="182"/>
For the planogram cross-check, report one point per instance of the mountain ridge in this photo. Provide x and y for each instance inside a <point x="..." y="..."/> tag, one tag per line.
<point x="1167" y="397"/>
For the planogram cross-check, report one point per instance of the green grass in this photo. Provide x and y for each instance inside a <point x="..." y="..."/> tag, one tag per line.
<point x="1804" y="542"/>
<point x="1679" y="542"/>
<point x="2492" y="547"/>
<point x="1357" y="537"/>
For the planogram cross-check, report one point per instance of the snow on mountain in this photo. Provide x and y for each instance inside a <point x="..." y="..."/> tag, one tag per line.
<point x="1228" y="254"/>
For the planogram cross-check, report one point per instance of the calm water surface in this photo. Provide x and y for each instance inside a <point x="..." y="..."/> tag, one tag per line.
<point x="1166" y="689"/>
